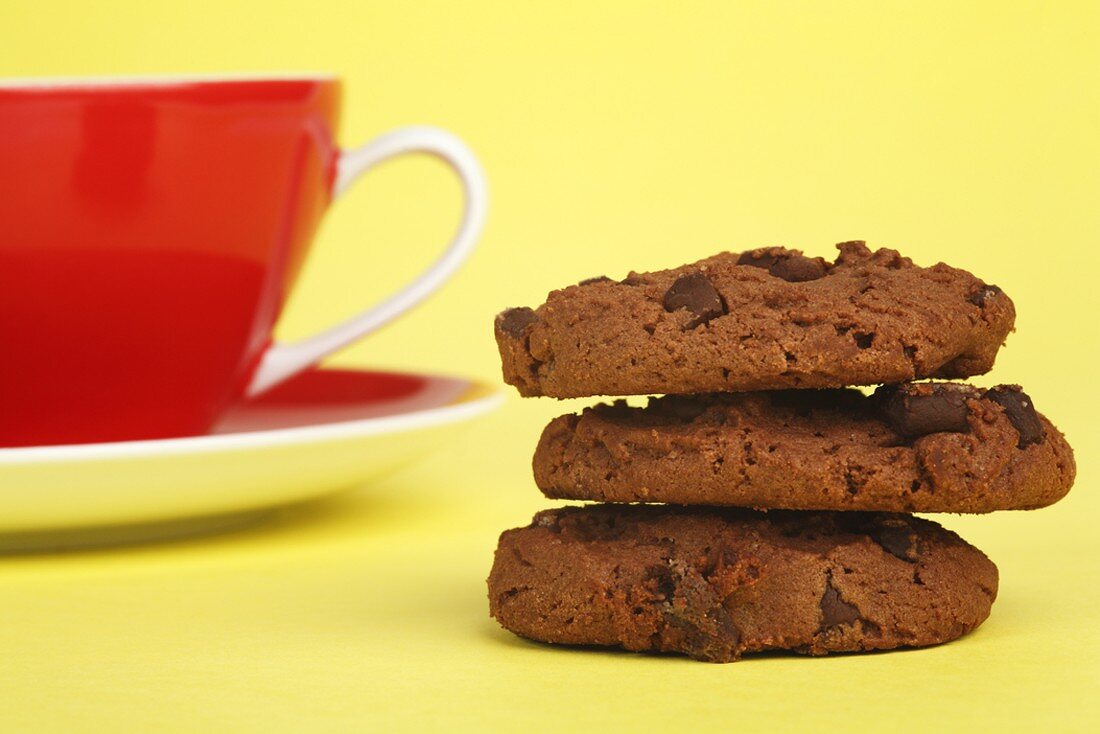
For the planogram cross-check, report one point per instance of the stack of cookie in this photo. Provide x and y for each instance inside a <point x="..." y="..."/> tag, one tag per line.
<point x="762" y="502"/>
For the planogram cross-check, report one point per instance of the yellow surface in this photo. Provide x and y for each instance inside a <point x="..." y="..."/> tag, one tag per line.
<point x="616" y="135"/>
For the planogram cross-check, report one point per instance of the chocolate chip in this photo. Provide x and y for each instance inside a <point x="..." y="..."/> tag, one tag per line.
<point x="986" y="292"/>
<point x="695" y="293"/>
<point x="693" y="613"/>
<point x="892" y="535"/>
<point x="834" y="610"/>
<point x="790" y="266"/>
<point x="863" y="340"/>
<point x="894" y="539"/>
<point x="513" y="321"/>
<point x="757" y="259"/>
<point x="660" y="579"/>
<point x="799" y="269"/>
<point x="633" y="279"/>
<point x="1020" y="410"/>
<point x="682" y="408"/>
<point x="597" y="279"/>
<point x="917" y="410"/>
<point x="719" y="558"/>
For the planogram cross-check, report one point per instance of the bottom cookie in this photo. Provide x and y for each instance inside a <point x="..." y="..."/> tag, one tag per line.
<point x="716" y="583"/>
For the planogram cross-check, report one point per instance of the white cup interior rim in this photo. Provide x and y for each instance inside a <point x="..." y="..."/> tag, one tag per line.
<point x="161" y="80"/>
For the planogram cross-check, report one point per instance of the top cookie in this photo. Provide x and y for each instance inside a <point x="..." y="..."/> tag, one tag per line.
<point x="760" y="320"/>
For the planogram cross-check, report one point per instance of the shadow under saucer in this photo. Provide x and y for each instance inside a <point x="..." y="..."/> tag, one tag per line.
<point x="69" y="539"/>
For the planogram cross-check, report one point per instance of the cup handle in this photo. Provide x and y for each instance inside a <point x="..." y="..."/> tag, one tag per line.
<point x="282" y="361"/>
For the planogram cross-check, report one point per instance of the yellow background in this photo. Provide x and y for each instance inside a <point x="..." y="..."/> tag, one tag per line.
<point x="616" y="135"/>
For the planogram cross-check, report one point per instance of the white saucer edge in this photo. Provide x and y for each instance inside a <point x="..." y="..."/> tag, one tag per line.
<point x="271" y="437"/>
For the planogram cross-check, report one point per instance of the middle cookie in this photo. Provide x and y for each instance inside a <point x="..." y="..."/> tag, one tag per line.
<point x="917" y="447"/>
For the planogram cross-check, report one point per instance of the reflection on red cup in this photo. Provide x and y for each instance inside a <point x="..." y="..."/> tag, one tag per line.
<point x="150" y="231"/>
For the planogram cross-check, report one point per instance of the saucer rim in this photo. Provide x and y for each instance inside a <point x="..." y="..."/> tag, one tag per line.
<point x="167" y="79"/>
<point x="479" y="398"/>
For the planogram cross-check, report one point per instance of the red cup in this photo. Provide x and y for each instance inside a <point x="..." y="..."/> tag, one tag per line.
<point x="150" y="231"/>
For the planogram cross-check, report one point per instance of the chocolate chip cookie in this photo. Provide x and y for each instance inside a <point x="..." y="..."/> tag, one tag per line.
<point x="759" y="320"/>
<point x="915" y="447"/>
<point x="714" y="584"/>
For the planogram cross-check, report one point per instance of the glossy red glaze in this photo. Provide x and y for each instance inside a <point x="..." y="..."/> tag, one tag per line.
<point x="362" y="389"/>
<point x="318" y="397"/>
<point x="149" y="235"/>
